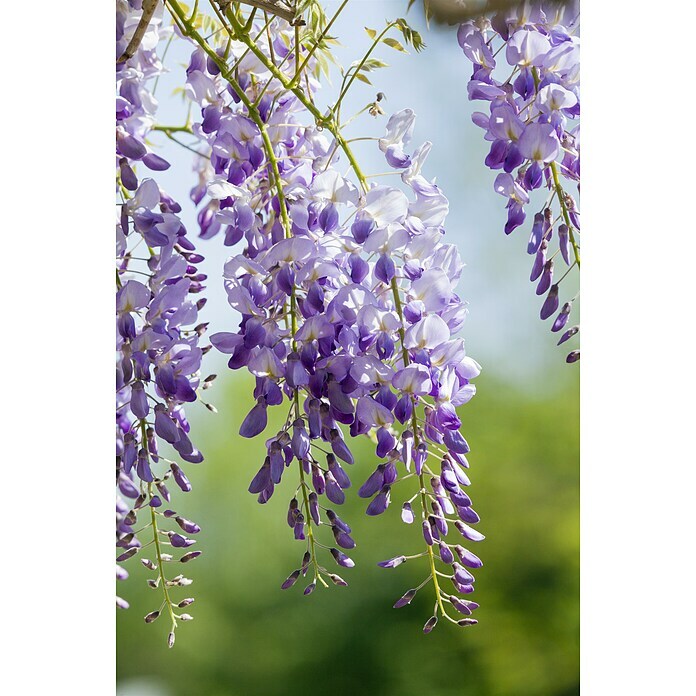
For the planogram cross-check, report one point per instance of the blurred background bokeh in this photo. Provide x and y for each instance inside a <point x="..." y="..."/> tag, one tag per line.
<point x="249" y="638"/>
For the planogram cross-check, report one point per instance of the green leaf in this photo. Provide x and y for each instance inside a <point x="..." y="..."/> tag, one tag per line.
<point x="362" y="78"/>
<point x="371" y="32"/>
<point x="323" y="64"/>
<point x="411" y="36"/>
<point x="373" y="64"/>
<point x="393" y="43"/>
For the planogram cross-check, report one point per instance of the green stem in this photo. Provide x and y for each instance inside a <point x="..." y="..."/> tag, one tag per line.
<point x="250" y="20"/>
<point x="174" y="129"/>
<point x="160" y="564"/>
<point x="326" y="122"/>
<point x="353" y="77"/>
<point x="298" y="48"/>
<point x="155" y="533"/>
<point x="253" y="112"/>
<point x="566" y="214"/>
<point x="270" y="39"/>
<point x="431" y="555"/>
<point x="414" y="427"/>
<point x="270" y="154"/>
<point x="559" y="189"/>
<point x="310" y="533"/>
<point x="314" y="48"/>
<point x="399" y="311"/>
<point x="164" y="55"/>
<point x="308" y="516"/>
<point x="169" y="135"/>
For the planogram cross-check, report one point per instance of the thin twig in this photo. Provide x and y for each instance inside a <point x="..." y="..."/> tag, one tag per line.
<point x="149" y="7"/>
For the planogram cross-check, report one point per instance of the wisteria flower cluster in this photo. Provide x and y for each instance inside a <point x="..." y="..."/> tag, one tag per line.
<point x="345" y="290"/>
<point x="157" y="332"/>
<point x="349" y="315"/>
<point x="533" y="126"/>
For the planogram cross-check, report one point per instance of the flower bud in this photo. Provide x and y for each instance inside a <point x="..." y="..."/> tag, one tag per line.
<point x="290" y="580"/>
<point x="127" y="554"/>
<point x="407" y="513"/>
<point x="187" y="525"/>
<point x="430" y="624"/>
<point x="293" y="511"/>
<point x="405" y="599"/>
<point x="190" y="556"/>
<point x="546" y="277"/>
<point x="562" y="318"/>
<point x="341" y="558"/>
<point x="550" y="303"/>
<point x="446" y="554"/>
<point x="380" y="502"/>
<point x="392" y="562"/>
<point x="427" y="533"/>
<point x="314" y="507"/>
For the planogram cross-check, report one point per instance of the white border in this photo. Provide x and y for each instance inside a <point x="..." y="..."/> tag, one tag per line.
<point x="637" y="370"/>
<point x="58" y="580"/>
<point x="637" y="458"/>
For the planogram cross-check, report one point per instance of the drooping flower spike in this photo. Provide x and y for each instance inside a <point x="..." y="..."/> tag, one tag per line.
<point x="349" y="313"/>
<point x="526" y="65"/>
<point x="158" y="357"/>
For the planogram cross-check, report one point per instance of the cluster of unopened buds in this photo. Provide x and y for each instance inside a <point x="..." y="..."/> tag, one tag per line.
<point x="533" y="127"/>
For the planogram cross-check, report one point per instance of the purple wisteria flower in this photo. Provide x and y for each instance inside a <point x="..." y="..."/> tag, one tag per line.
<point x="348" y="306"/>
<point x="533" y="127"/>
<point x="158" y="298"/>
<point x="349" y="315"/>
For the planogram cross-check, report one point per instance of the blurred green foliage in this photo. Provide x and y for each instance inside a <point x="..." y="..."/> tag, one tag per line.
<point x="250" y="638"/>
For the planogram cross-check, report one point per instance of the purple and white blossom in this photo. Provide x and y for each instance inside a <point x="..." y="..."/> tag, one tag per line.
<point x="533" y="126"/>
<point x="348" y="303"/>
<point x="158" y="356"/>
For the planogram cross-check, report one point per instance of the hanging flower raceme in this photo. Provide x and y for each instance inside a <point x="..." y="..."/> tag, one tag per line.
<point x="349" y="316"/>
<point x="157" y="335"/>
<point x="348" y="306"/>
<point x="279" y="283"/>
<point x="526" y="66"/>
